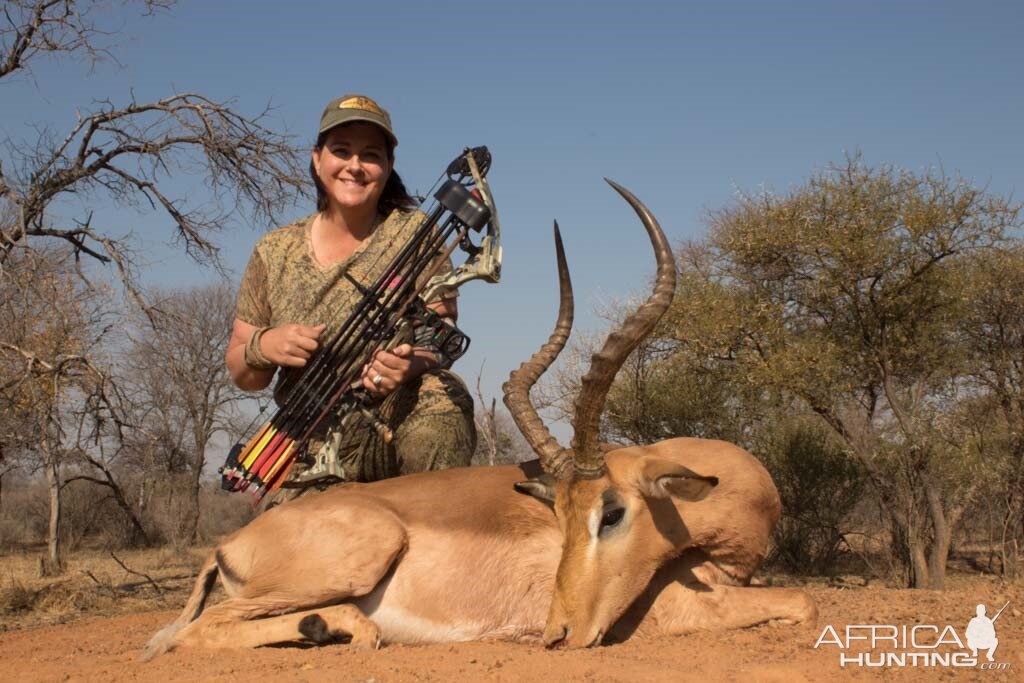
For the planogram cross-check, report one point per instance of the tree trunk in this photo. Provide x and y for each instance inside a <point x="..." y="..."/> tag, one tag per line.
<point x="942" y="531"/>
<point x="907" y="545"/>
<point x="190" y="525"/>
<point x="201" y="429"/>
<point x="937" y="557"/>
<point x="142" y="497"/>
<point x="138" y="531"/>
<point x="919" y="577"/>
<point x="492" y="434"/>
<point x="54" y="563"/>
<point x="190" y="528"/>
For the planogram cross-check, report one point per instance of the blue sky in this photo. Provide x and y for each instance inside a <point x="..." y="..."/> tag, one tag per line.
<point x="684" y="103"/>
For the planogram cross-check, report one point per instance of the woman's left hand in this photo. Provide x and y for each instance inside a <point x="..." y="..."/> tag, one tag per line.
<point x="390" y="369"/>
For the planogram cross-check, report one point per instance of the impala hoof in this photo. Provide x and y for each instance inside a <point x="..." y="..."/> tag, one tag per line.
<point x="315" y="628"/>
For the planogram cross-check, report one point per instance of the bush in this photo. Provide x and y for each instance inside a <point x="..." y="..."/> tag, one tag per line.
<point x="819" y="487"/>
<point x="92" y="518"/>
<point x="16" y="597"/>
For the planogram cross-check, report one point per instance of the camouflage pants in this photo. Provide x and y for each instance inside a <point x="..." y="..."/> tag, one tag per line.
<point x="431" y="419"/>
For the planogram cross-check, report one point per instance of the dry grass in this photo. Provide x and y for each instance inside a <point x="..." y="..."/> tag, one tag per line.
<point x="94" y="584"/>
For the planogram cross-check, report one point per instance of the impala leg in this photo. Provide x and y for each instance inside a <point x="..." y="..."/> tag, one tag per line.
<point x="679" y="608"/>
<point x="706" y="607"/>
<point x="275" y="587"/>
<point x="231" y="624"/>
<point x="692" y="594"/>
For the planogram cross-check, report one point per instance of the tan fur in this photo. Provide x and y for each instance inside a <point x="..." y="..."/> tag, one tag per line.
<point x="460" y="555"/>
<point x="730" y="526"/>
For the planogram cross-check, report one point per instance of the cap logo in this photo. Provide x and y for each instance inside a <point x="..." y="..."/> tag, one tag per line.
<point x="364" y="103"/>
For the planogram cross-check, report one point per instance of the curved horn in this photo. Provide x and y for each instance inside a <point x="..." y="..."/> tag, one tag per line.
<point x="588" y="457"/>
<point x="553" y="458"/>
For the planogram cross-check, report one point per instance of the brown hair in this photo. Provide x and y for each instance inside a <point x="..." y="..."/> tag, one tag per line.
<point x="394" y="196"/>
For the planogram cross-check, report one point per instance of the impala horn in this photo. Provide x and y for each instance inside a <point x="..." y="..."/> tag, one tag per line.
<point x="588" y="458"/>
<point x="554" y="459"/>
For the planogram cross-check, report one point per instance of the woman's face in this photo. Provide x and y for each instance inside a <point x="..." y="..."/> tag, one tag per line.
<point x="353" y="165"/>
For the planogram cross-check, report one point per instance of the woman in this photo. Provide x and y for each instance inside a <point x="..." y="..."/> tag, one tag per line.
<point x="298" y="284"/>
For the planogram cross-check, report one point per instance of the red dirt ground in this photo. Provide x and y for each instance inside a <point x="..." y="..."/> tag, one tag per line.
<point x="106" y="649"/>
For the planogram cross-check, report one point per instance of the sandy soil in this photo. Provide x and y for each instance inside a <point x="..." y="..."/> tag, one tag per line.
<point x="107" y="649"/>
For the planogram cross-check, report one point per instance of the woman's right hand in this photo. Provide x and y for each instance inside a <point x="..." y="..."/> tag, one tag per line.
<point x="290" y="345"/>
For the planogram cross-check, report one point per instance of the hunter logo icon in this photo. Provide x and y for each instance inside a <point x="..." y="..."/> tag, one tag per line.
<point x="981" y="633"/>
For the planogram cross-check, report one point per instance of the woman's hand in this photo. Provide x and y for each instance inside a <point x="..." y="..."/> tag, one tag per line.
<point x="390" y="369"/>
<point x="290" y="346"/>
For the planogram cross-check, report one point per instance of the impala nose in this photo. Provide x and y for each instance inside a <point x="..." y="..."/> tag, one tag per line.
<point x="555" y="638"/>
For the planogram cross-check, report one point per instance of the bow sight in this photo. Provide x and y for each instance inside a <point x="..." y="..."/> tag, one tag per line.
<point x="391" y="310"/>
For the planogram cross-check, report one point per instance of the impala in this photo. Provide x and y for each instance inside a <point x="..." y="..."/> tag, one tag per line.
<point x="584" y="545"/>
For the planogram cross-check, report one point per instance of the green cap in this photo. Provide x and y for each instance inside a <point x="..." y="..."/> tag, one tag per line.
<point x="349" y="108"/>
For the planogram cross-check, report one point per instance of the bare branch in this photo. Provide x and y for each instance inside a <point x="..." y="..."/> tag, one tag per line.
<point x="485" y="422"/>
<point x="153" y="584"/>
<point x="56" y="27"/>
<point x="127" y="152"/>
<point x="100" y="584"/>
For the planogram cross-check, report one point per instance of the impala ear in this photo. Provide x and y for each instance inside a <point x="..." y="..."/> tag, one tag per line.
<point x="542" y="488"/>
<point x="660" y="478"/>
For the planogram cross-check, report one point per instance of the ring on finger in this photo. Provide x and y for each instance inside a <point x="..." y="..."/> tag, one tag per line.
<point x="377" y="379"/>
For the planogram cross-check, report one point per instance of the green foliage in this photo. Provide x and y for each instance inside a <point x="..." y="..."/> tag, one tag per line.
<point x="668" y="396"/>
<point x="819" y="487"/>
<point x="867" y="300"/>
<point x="850" y="281"/>
<point x="993" y="417"/>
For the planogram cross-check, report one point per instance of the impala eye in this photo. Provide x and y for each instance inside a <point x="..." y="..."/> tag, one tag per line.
<point x="612" y="517"/>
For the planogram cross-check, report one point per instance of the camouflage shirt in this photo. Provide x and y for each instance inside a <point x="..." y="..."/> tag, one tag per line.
<point x="284" y="283"/>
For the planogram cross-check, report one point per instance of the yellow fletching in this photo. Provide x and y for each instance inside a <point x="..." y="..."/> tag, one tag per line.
<point x="256" y="446"/>
<point x="251" y="443"/>
<point x="246" y="453"/>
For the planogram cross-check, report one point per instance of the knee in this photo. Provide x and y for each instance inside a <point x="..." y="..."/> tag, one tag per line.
<point x="435" y="442"/>
<point x="437" y="391"/>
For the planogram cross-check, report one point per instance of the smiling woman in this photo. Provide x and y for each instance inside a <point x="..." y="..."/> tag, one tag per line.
<point x="301" y="283"/>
